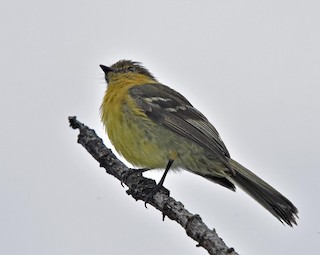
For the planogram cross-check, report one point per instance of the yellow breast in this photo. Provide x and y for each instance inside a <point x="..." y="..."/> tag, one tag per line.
<point x="129" y="128"/>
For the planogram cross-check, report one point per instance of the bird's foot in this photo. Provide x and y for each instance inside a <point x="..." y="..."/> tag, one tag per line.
<point x="126" y="174"/>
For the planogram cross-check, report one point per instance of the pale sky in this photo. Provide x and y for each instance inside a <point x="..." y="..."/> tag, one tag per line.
<point x="252" y="68"/>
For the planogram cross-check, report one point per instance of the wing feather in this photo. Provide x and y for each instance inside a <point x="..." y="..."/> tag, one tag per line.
<point x="169" y="108"/>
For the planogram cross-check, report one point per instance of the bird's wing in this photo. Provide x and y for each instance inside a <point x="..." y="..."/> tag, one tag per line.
<point x="167" y="107"/>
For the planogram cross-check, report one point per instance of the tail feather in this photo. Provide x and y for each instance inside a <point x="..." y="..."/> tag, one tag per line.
<point x="262" y="192"/>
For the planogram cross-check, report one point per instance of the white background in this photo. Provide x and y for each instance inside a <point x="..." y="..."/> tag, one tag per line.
<point x="252" y="68"/>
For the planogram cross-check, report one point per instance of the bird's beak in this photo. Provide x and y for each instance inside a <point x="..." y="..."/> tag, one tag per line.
<point x="105" y="69"/>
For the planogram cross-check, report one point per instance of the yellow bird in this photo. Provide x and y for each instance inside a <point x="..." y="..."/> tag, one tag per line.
<point x="153" y="126"/>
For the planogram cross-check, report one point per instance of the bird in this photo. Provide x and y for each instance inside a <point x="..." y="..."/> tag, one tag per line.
<point x="155" y="127"/>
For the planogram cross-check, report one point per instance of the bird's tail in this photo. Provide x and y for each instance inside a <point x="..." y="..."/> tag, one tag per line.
<point x="262" y="192"/>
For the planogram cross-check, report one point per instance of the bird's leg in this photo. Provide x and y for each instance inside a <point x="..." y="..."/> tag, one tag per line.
<point x="160" y="184"/>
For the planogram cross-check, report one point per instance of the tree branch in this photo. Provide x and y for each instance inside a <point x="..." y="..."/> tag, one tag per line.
<point x="139" y="188"/>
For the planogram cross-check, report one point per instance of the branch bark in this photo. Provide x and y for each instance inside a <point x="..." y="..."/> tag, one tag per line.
<point x="139" y="188"/>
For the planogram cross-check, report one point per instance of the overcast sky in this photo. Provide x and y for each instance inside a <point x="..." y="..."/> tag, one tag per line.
<point x="252" y="68"/>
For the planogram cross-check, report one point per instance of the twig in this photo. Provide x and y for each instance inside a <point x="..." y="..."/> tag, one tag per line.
<point x="139" y="188"/>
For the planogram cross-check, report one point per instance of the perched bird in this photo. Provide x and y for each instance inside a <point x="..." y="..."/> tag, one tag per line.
<point x="153" y="126"/>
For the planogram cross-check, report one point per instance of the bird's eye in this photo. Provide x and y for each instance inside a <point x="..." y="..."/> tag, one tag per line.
<point x="131" y="69"/>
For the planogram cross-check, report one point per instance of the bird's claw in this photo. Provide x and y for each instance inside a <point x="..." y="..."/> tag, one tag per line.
<point x="126" y="174"/>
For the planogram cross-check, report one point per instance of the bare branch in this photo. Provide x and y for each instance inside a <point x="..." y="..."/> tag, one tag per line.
<point x="139" y="188"/>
